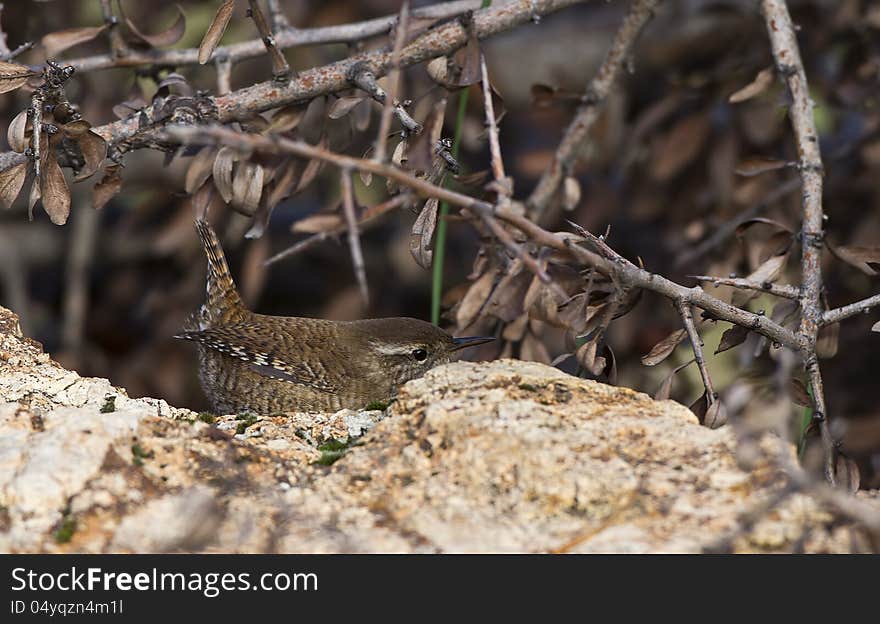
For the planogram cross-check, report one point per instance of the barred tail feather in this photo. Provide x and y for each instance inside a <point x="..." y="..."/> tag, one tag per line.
<point x="222" y="302"/>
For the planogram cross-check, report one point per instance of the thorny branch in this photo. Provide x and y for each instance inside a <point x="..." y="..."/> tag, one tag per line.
<point x="790" y="68"/>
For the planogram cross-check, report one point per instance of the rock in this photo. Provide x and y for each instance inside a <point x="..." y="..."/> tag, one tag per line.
<point x="505" y="456"/>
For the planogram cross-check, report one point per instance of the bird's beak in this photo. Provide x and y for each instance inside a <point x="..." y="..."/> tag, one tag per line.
<point x="470" y="341"/>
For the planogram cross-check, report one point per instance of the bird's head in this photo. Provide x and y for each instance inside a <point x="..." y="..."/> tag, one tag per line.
<point x="405" y="348"/>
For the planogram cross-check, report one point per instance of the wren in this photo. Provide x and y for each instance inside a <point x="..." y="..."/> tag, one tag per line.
<point x="263" y="364"/>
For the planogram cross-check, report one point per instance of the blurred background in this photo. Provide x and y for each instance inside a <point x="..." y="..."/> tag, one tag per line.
<point x="106" y="292"/>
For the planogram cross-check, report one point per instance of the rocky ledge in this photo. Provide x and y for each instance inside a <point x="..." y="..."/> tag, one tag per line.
<point x="504" y="456"/>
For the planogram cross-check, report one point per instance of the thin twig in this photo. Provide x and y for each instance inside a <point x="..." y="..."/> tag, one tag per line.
<point x="354" y="241"/>
<point x="687" y="318"/>
<point x="276" y="15"/>
<point x="280" y="67"/>
<point x="786" y="291"/>
<point x="503" y="184"/>
<point x="118" y="47"/>
<point x="852" y="309"/>
<point x="370" y="217"/>
<point x="224" y="74"/>
<point x="393" y="80"/>
<point x="571" y="146"/>
<point x="76" y="293"/>
<point x="789" y="66"/>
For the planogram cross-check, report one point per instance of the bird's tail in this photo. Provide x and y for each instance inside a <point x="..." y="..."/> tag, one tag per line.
<point x="222" y="302"/>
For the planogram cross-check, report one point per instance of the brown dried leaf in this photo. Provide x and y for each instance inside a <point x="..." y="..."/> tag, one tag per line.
<point x="731" y="338"/>
<point x="247" y="187"/>
<point x="680" y="146"/>
<point x="13" y="75"/>
<point x="847" y="473"/>
<point x="770" y="270"/>
<point x="11" y="181"/>
<point x="745" y="225"/>
<point x="215" y="31"/>
<point x="343" y="106"/>
<point x="167" y="37"/>
<point x="200" y="169"/>
<point x="17" y="133"/>
<point x="827" y="341"/>
<point x="468" y="59"/>
<point x="586" y="357"/>
<point x="94" y="150"/>
<point x="222" y="172"/>
<point x="421" y="240"/>
<point x="57" y="42"/>
<point x="716" y="415"/>
<point x="700" y="407"/>
<point x="664" y="348"/>
<point x="532" y="349"/>
<point x="33" y="198"/>
<point x="287" y="118"/>
<point x="362" y="114"/>
<point x="542" y="95"/>
<point x="107" y="188"/>
<point x="317" y="223"/>
<point x="756" y="87"/>
<point x="284" y="184"/>
<point x="798" y="393"/>
<point x="473" y="301"/>
<point x="438" y="70"/>
<point x="309" y="173"/>
<point x="54" y="192"/>
<point x="571" y="195"/>
<point x="876" y="327"/>
<point x="755" y="165"/>
<point x="865" y="258"/>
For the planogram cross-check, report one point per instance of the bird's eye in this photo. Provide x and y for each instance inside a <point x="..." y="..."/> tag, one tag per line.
<point x="420" y="355"/>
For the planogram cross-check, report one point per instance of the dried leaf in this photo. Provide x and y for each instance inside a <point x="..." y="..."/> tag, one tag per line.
<point x="755" y="165"/>
<point x="317" y="223"/>
<point x="731" y="338"/>
<point x="716" y="415"/>
<point x="798" y="393"/>
<point x="57" y="42"/>
<point x="13" y="75"/>
<point x="586" y="357"/>
<point x="473" y="301"/>
<point x="756" y="87"/>
<point x="94" y="150"/>
<point x="54" y="192"/>
<point x="167" y="37"/>
<point x="532" y="349"/>
<point x="200" y="169"/>
<point x="468" y="59"/>
<point x="222" y="172"/>
<point x="421" y="240"/>
<point x="362" y="114"/>
<point x="366" y="177"/>
<point x="11" y="181"/>
<point x="438" y="70"/>
<point x="827" y="341"/>
<point x="865" y="258"/>
<point x="847" y="473"/>
<point x="247" y="187"/>
<point x="287" y="118"/>
<point x="33" y="198"/>
<point x="342" y="106"/>
<point x="769" y="271"/>
<point x="700" y="407"/>
<point x="664" y="348"/>
<point x="571" y="194"/>
<point x="284" y="185"/>
<point x="215" y="31"/>
<point x="309" y="173"/>
<point x="680" y="146"/>
<point x="542" y="95"/>
<point x="107" y="188"/>
<point x="876" y="327"/>
<point x="17" y="133"/>
<point x="663" y="392"/>
<point x="745" y="225"/>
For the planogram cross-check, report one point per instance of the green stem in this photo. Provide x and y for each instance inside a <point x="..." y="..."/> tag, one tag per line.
<point x="440" y="243"/>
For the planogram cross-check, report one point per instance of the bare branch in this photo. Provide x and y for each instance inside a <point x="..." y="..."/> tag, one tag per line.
<point x="847" y="311"/>
<point x="571" y="146"/>
<point x="684" y="310"/>
<point x="118" y="47"/>
<point x="393" y="80"/>
<point x="280" y="68"/>
<point x="789" y="66"/>
<point x="354" y="241"/>
<point x="779" y="290"/>
<point x="224" y="73"/>
<point x="504" y="185"/>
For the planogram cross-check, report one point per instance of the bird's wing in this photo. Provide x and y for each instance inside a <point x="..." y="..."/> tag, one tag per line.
<point x="243" y="341"/>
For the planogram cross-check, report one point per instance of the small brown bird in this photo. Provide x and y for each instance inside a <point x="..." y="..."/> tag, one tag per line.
<point x="268" y="364"/>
